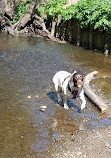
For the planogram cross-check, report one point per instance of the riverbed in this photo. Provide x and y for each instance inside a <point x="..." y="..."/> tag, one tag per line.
<point x="27" y="66"/>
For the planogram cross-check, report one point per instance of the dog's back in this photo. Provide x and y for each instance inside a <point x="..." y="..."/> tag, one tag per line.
<point x="59" y="77"/>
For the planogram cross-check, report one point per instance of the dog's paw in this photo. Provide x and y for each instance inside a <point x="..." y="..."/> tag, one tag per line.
<point x="79" y="111"/>
<point x="60" y="103"/>
<point x="82" y="107"/>
<point x="66" y="106"/>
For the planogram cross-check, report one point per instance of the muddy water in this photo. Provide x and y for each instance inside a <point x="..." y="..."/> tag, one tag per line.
<point x="27" y="66"/>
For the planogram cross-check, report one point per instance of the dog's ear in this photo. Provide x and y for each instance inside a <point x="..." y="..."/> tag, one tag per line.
<point x="74" y="72"/>
<point x="71" y="83"/>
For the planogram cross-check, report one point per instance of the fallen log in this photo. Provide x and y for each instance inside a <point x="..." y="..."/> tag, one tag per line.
<point x="96" y="100"/>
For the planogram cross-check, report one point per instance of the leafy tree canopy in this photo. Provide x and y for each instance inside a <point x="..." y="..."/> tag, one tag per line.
<point x="96" y="13"/>
<point x="52" y="9"/>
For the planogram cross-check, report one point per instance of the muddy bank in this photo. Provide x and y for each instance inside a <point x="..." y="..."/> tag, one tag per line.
<point x="27" y="65"/>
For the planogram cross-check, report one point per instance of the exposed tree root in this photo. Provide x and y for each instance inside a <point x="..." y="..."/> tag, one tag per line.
<point x="29" y="23"/>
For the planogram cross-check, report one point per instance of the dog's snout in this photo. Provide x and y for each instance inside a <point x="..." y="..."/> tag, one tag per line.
<point x="79" y="82"/>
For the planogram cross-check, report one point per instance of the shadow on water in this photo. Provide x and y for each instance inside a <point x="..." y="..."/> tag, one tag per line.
<point x="53" y="96"/>
<point x="27" y="65"/>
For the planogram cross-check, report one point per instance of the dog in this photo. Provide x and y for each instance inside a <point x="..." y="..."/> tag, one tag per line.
<point x="71" y="85"/>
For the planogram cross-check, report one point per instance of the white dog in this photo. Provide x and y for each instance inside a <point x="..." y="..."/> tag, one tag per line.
<point x="69" y="85"/>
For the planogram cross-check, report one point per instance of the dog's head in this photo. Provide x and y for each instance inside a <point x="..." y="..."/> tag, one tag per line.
<point x="76" y="81"/>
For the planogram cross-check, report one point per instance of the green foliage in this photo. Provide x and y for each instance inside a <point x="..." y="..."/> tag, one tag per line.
<point x="68" y="13"/>
<point x="94" y="13"/>
<point x="52" y="9"/>
<point x="41" y="8"/>
<point x="55" y="7"/>
<point x="21" y="9"/>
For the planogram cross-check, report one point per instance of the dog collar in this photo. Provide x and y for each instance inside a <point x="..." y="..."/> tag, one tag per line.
<point x="66" y="79"/>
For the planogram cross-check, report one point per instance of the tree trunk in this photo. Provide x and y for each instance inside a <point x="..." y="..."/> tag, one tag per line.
<point x="41" y="23"/>
<point x="106" y="52"/>
<point x="78" y="35"/>
<point x="98" y="102"/>
<point x="90" y="38"/>
<point x="53" y="28"/>
<point x="57" y="26"/>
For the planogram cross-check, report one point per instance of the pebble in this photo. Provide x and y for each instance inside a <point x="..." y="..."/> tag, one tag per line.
<point x="110" y="146"/>
<point x="29" y="97"/>
<point x="22" y="137"/>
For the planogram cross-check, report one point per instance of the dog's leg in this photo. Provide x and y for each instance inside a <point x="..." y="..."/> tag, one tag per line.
<point x="65" y="102"/>
<point x="82" y="99"/>
<point x="59" y="97"/>
<point x="65" y="97"/>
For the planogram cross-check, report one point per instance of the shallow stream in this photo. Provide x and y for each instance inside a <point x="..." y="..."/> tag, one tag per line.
<point x="27" y="65"/>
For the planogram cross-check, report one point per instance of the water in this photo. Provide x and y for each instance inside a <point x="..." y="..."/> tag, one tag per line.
<point x="27" y="65"/>
<point x="104" y="84"/>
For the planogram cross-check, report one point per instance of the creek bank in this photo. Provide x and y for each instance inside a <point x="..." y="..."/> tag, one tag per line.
<point x="88" y="38"/>
<point x="30" y="22"/>
<point x="69" y="30"/>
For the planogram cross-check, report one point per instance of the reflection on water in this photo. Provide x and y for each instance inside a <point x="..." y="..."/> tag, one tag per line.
<point x="27" y="66"/>
<point x="94" y="60"/>
<point x="14" y="43"/>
